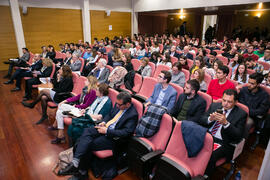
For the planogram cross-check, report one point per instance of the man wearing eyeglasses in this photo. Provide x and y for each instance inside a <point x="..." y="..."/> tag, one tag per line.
<point x="163" y="94"/>
<point x="120" y="123"/>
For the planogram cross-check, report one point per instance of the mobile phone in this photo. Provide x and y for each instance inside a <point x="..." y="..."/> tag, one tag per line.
<point x="220" y="111"/>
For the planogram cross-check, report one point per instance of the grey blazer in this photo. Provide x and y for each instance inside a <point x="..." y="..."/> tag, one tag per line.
<point x="76" y="66"/>
<point x="103" y="77"/>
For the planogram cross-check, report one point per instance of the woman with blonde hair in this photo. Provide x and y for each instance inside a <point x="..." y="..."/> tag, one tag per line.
<point x="145" y="69"/>
<point x="81" y="101"/>
<point x="199" y="76"/>
<point x="45" y="71"/>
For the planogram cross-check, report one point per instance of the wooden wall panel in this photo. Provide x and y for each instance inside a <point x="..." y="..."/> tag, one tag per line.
<point x="152" y="24"/>
<point x="8" y="46"/>
<point x="44" y="26"/>
<point x="120" y="21"/>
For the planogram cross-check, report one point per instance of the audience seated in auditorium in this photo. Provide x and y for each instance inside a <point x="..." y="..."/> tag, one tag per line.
<point x="163" y="94"/>
<point x="260" y="51"/>
<point x="62" y="87"/>
<point x="75" y="63"/>
<point x="77" y="50"/>
<point x="145" y="69"/>
<point x="178" y="77"/>
<point x="255" y="98"/>
<point x="266" y="81"/>
<point x="120" y="123"/>
<point x="51" y="53"/>
<point x="226" y="123"/>
<point x="116" y="77"/>
<point x="80" y="101"/>
<point x="198" y="64"/>
<point x="25" y="72"/>
<point x="199" y="76"/>
<point x="213" y="46"/>
<point x="212" y="70"/>
<point x="126" y="58"/>
<point x="251" y="54"/>
<point x="141" y="51"/>
<point x="266" y="57"/>
<point x="189" y="106"/>
<point x="66" y="61"/>
<point x="242" y="49"/>
<point x="166" y="60"/>
<point x="238" y="59"/>
<point x="253" y="65"/>
<point x="91" y="62"/>
<point x="44" y="72"/>
<point x="183" y="62"/>
<point x="101" y="72"/>
<point x="219" y="85"/>
<point x="44" y="51"/>
<point x="19" y="62"/>
<point x="186" y="53"/>
<point x="173" y="52"/>
<point x="230" y="54"/>
<point x="241" y="75"/>
<point x="94" y="113"/>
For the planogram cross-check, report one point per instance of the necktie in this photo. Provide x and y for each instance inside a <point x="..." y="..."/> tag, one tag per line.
<point x="217" y="125"/>
<point x="114" y="119"/>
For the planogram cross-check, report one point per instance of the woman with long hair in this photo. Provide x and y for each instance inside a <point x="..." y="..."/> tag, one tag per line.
<point x="62" y="87"/>
<point x="199" y="76"/>
<point x="238" y="59"/>
<point x="183" y="62"/>
<point x="81" y="101"/>
<point x="241" y="75"/>
<point x="165" y="60"/>
<point x="199" y="64"/>
<point x="145" y="69"/>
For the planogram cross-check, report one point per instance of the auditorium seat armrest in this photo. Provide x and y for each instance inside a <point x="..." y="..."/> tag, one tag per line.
<point x="140" y="141"/>
<point x="152" y="156"/>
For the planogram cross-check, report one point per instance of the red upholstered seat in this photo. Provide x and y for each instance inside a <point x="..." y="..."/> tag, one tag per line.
<point x="187" y="74"/>
<point x="153" y="67"/>
<point x="177" y="153"/>
<point x="178" y="89"/>
<point x="103" y="154"/>
<point x="223" y="59"/>
<point x="207" y="98"/>
<point x="136" y="64"/>
<point x="266" y="65"/>
<point x="207" y="79"/>
<point x="190" y="63"/>
<point x="160" y="68"/>
<point x="148" y="86"/>
<point x="174" y="59"/>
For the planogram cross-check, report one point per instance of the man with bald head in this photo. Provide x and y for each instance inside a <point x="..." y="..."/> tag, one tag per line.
<point x="186" y="53"/>
<point x="25" y="72"/>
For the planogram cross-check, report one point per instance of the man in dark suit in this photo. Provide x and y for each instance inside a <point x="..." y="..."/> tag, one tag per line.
<point x="25" y="72"/>
<point x="186" y="53"/>
<point x="120" y="123"/>
<point x="189" y="106"/>
<point x="100" y="71"/>
<point x="226" y="123"/>
<point x="173" y="52"/>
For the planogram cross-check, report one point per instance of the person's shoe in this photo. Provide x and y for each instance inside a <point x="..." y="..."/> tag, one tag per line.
<point x="8" y="82"/>
<point x="7" y="76"/>
<point x="69" y="170"/>
<point x="58" y="140"/>
<point x="51" y="128"/>
<point x="43" y="118"/>
<point x="15" y="89"/>
<point x="29" y="105"/>
<point x="6" y="62"/>
<point x="79" y="177"/>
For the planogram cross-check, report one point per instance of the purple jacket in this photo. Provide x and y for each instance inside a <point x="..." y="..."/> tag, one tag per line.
<point x="88" y="99"/>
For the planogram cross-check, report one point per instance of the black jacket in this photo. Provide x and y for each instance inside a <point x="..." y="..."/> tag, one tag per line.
<point x="196" y="108"/>
<point x="237" y="119"/>
<point x="258" y="103"/>
<point x="36" y="66"/>
<point x="126" y="124"/>
<point x="64" y="85"/>
<point x="46" y="73"/>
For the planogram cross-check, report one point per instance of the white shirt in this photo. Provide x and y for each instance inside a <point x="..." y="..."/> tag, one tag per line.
<point x="218" y="133"/>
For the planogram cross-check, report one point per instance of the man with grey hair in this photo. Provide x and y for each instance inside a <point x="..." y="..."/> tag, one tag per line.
<point x="75" y="63"/>
<point x="101" y="72"/>
<point x="186" y="53"/>
<point x="25" y="72"/>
